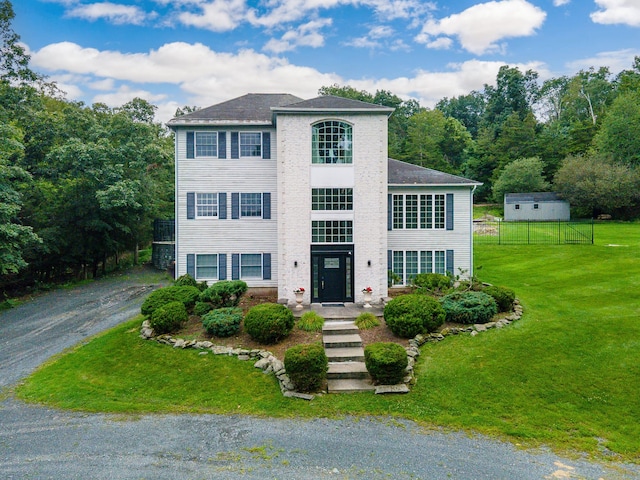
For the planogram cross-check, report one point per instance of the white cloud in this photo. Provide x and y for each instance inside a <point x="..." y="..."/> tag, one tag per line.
<point x="440" y="43"/>
<point x="559" y="3"/>
<point x="306" y="35"/>
<point x="125" y="94"/>
<point x="613" y="12"/>
<point x="217" y="16"/>
<point x="373" y="39"/>
<point x="616" y="61"/>
<point x="481" y="26"/>
<point x="114" y="13"/>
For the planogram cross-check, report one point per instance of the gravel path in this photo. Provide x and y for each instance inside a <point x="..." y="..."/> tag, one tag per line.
<point x="41" y="443"/>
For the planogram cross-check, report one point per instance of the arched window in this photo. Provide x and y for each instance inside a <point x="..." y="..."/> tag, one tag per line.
<point x="332" y="142"/>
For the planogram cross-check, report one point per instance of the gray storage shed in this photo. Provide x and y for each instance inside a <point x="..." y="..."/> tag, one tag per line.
<point x="535" y="206"/>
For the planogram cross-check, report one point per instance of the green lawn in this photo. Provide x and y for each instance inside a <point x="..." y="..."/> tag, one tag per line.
<point x="566" y="375"/>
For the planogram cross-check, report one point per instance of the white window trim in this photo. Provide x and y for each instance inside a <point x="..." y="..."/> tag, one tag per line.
<point x="257" y="277"/>
<point x="240" y="134"/>
<point x="195" y="144"/>
<point x="216" y="267"/>
<point x="207" y="217"/>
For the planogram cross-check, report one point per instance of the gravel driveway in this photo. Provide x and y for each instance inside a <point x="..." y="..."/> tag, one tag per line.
<point x="41" y="443"/>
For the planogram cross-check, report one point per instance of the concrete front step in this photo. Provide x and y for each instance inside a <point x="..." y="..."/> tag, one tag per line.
<point x="349" y="385"/>
<point x="348" y="370"/>
<point x="349" y="354"/>
<point x="342" y="341"/>
<point x="342" y="328"/>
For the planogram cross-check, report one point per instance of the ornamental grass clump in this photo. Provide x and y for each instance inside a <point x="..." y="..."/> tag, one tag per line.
<point x="226" y="293"/>
<point x="367" y="320"/>
<point x="169" y="317"/>
<point x="185" y="294"/>
<point x="223" y="322"/>
<point x="409" y="315"/>
<point x="307" y="366"/>
<point x="386" y="362"/>
<point x="469" y="307"/>
<point x="504" y="297"/>
<point x="311" y="322"/>
<point x="269" y="322"/>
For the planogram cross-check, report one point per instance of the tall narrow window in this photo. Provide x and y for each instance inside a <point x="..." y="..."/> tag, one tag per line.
<point x="411" y="262"/>
<point x="411" y="205"/>
<point x="398" y="266"/>
<point x="440" y="262"/>
<point x="438" y="208"/>
<point x="426" y="261"/>
<point x="426" y="211"/>
<point x="398" y="212"/>
<point x="332" y="142"/>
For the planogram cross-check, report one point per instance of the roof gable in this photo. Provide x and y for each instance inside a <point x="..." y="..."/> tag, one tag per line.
<point x="253" y="108"/>
<point x="404" y="174"/>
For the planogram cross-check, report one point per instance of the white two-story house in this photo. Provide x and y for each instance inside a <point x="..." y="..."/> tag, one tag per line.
<point x="288" y="193"/>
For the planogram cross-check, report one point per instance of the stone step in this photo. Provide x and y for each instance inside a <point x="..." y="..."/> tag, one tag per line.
<point x="340" y="328"/>
<point x="342" y="341"/>
<point x="349" y="354"/>
<point x="348" y="370"/>
<point x="349" y="385"/>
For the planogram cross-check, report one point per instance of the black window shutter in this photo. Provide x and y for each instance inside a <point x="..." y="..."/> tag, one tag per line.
<point x="449" y="262"/>
<point x="191" y="264"/>
<point x="222" y="206"/>
<point x="235" y="266"/>
<point x="389" y="212"/>
<point x="266" y="205"/>
<point x="235" y="145"/>
<point x="222" y="144"/>
<point x="266" y="266"/>
<point x="235" y="205"/>
<point x="222" y="266"/>
<point x="190" y="145"/>
<point x="449" y="213"/>
<point x="389" y="259"/>
<point x="266" y="145"/>
<point x="191" y="205"/>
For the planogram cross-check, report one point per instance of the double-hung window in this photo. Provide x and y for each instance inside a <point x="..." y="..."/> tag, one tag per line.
<point x="207" y="266"/>
<point x="250" y="144"/>
<point x="251" y="265"/>
<point x="331" y="142"/>
<point x="251" y="205"/>
<point x="206" y="204"/>
<point x="206" y="144"/>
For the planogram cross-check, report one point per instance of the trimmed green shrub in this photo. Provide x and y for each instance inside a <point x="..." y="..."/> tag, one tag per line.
<point x="386" y="362"/>
<point x="223" y="322"/>
<point x="311" y="322"/>
<point x="187" y="295"/>
<point x="269" y="322"/>
<point x="469" y="307"/>
<point x="225" y="293"/>
<point x="185" y="280"/>
<point x="202" y="308"/>
<point x="169" y="317"/>
<point x="432" y="282"/>
<point x="307" y="366"/>
<point x="409" y="315"/>
<point x="367" y="320"/>
<point x="504" y="297"/>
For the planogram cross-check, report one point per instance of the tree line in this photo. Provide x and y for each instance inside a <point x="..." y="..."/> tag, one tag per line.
<point x="82" y="184"/>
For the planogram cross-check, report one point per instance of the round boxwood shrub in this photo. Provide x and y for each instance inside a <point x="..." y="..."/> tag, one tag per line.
<point x="409" y="315"/>
<point x="187" y="295"/>
<point x="386" y="362"/>
<point x="225" y="293"/>
<point x="432" y="282"/>
<point x="307" y="366"/>
<point x="503" y="296"/>
<point x="469" y="307"/>
<point x="202" y="308"/>
<point x="269" y="322"/>
<point x="169" y="317"/>
<point x="187" y="280"/>
<point x="223" y="322"/>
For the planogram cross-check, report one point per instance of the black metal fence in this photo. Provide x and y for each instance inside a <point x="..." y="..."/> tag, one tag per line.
<point x="533" y="232"/>
<point x="163" y="251"/>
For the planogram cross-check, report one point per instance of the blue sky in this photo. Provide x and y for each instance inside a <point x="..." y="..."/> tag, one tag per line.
<point x="200" y="52"/>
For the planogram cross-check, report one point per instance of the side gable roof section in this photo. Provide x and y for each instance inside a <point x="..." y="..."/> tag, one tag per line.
<point x="402" y="174"/>
<point x="332" y="104"/>
<point x="249" y="109"/>
<point x="537" y="197"/>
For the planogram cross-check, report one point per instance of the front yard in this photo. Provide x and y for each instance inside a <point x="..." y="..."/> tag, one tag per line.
<point x="566" y="375"/>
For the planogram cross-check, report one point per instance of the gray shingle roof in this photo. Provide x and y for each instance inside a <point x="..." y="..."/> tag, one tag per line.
<point x="333" y="103"/>
<point x="403" y="173"/>
<point x="253" y="108"/>
<point x="532" y="197"/>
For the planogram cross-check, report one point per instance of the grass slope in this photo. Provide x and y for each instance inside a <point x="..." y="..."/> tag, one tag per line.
<point x="567" y="375"/>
